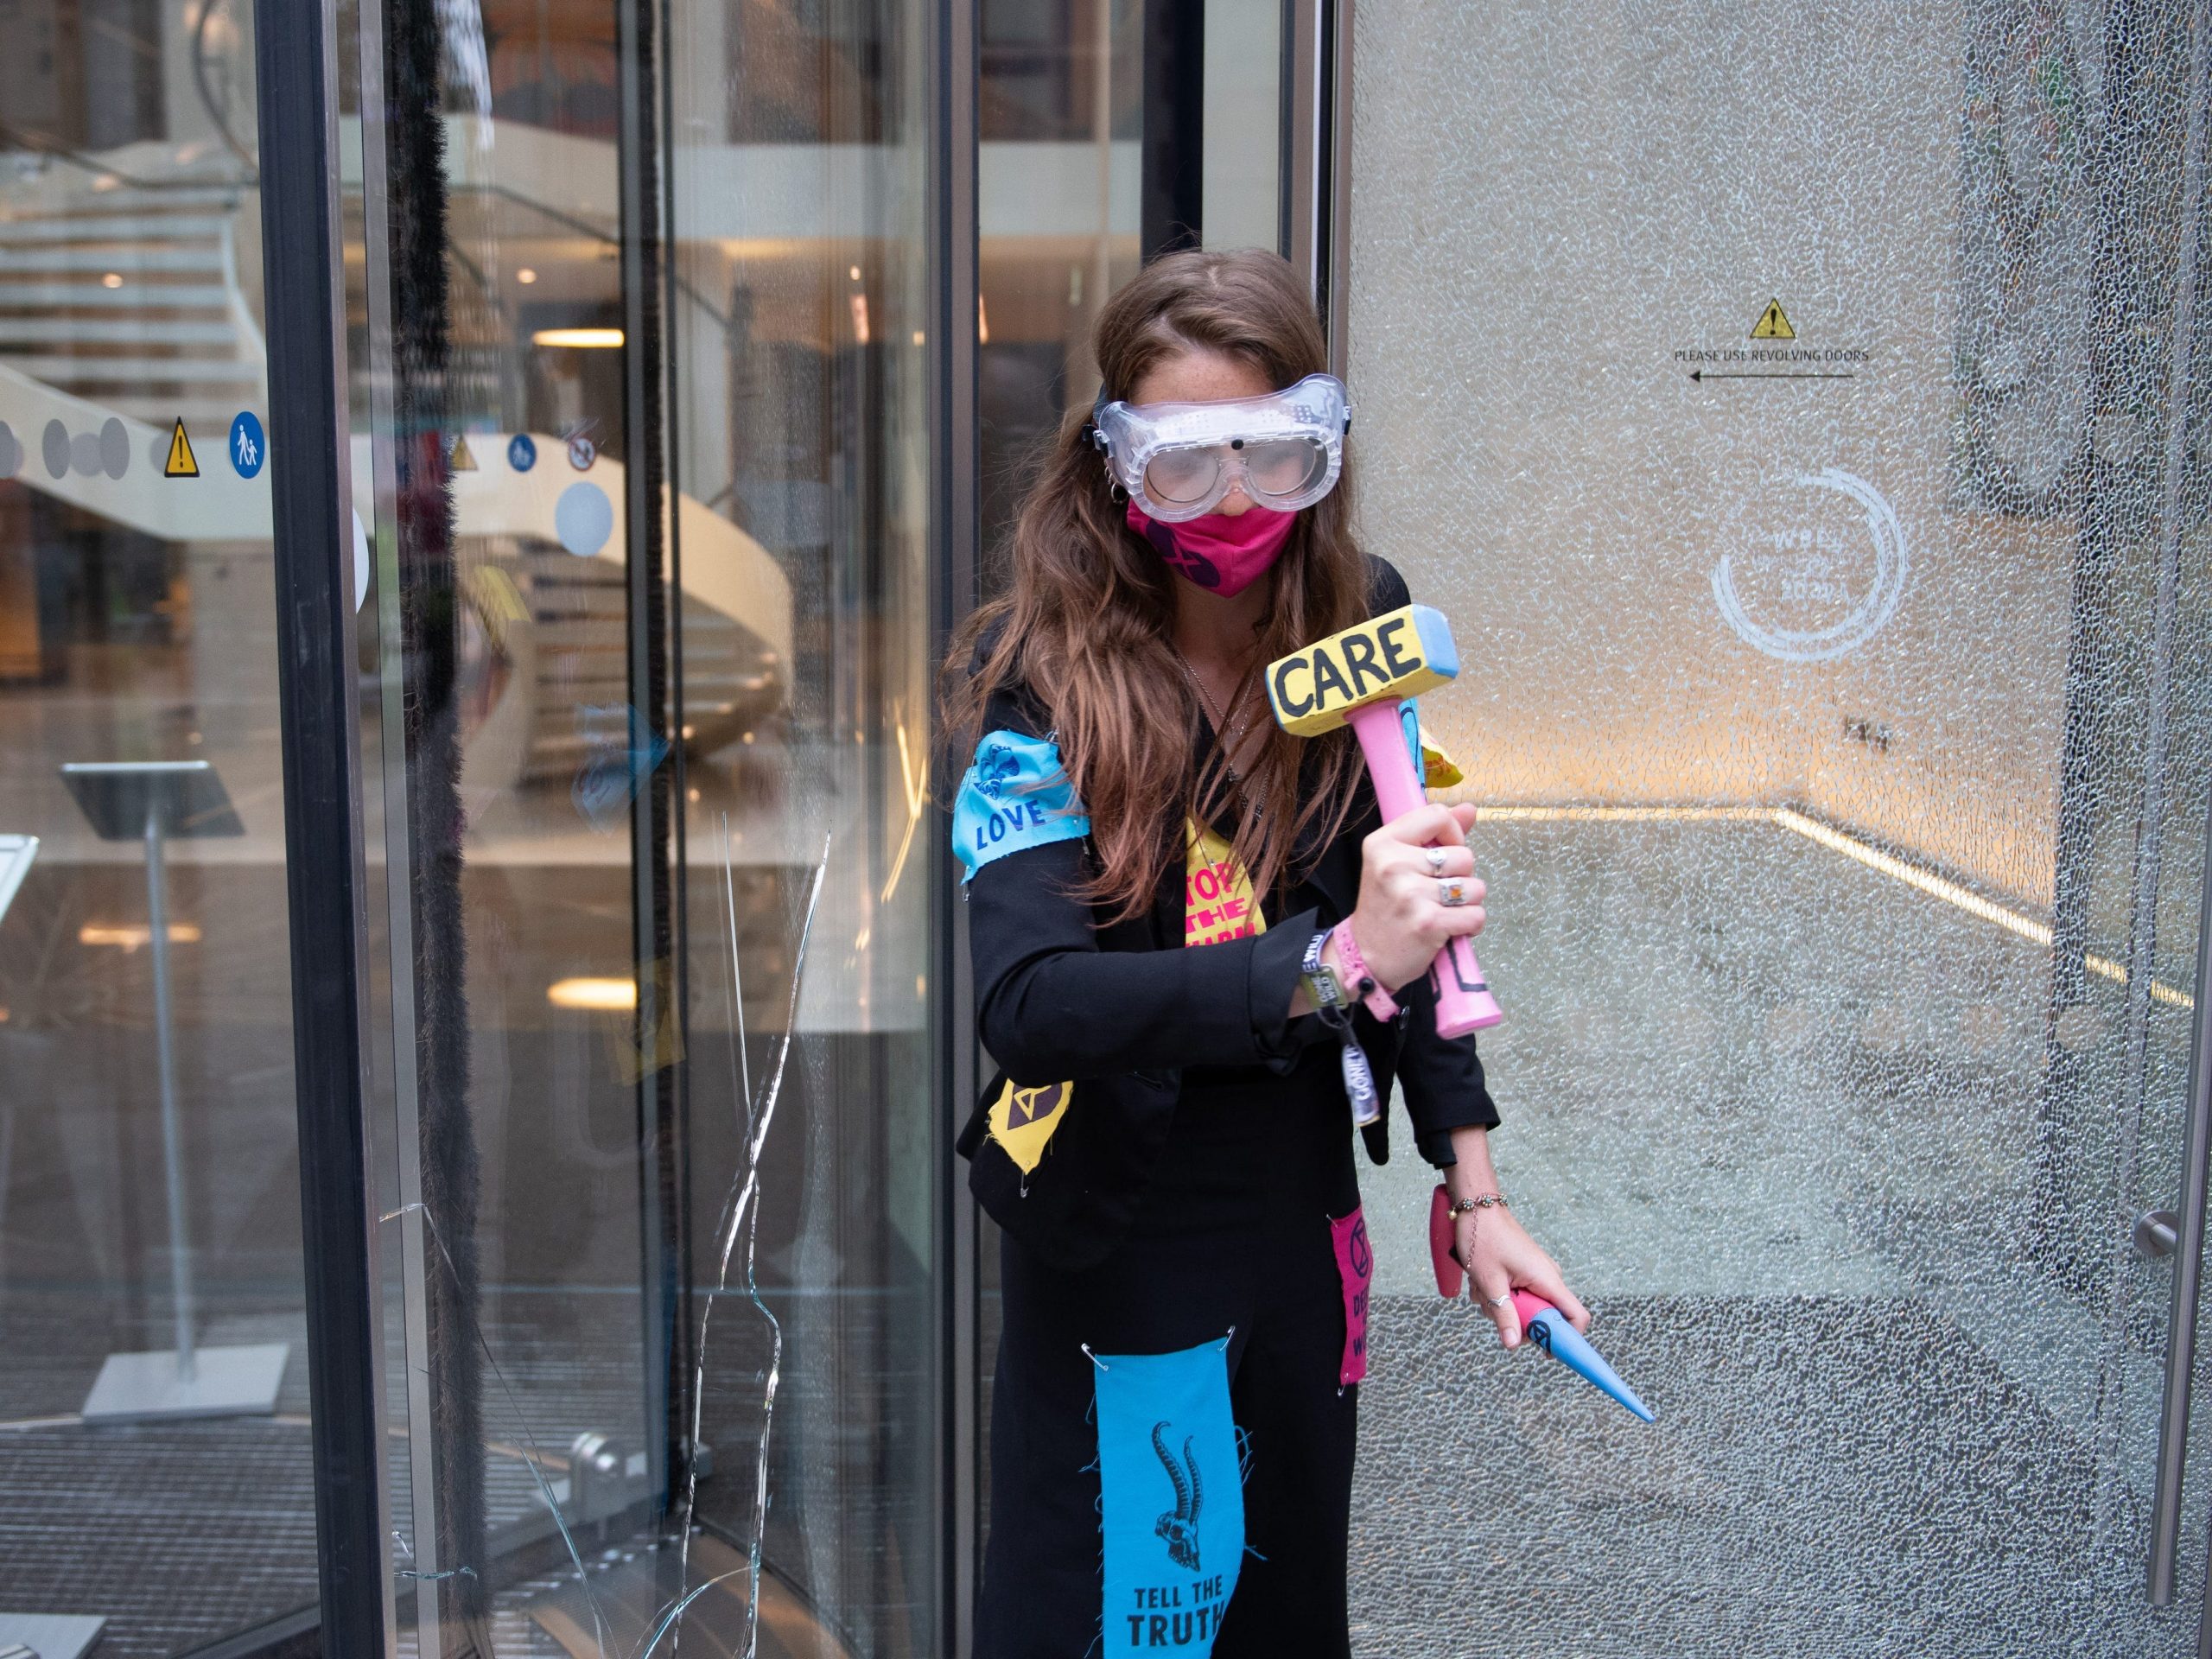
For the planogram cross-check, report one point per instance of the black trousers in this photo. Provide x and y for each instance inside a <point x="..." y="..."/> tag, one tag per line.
<point x="1233" y="1238"/>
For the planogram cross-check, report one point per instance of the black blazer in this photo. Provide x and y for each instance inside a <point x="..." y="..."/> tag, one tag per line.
<point x="1124" y="1010"/>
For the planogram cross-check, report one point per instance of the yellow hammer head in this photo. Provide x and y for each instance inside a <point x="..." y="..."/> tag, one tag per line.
<point x="1397" y="655"/>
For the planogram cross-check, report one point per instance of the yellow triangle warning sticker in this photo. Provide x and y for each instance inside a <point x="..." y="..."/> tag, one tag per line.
<point x="181" y="463"/>
<point x="461" y="461"/>
<point x="1773" y="323"/>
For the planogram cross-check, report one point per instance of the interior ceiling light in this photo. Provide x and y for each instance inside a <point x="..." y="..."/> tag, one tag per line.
<point x="113" y="279"/>
<point x="581" y="339"/>
<point x="599" y="996"/>
<point x="525" y="275"/>
<point x="129" y="935"/>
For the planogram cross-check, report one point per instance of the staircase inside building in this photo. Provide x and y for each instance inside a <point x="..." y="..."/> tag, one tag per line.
<point x="126" y="294"/>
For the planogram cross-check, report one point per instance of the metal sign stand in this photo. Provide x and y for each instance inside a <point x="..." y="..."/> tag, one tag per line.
<point x="17" y="853"/>
<point x="160" y="801"/>
<point x="46" y="1635"/>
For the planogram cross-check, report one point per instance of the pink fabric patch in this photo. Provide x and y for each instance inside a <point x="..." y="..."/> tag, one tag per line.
<point x="1356" y="1270"/>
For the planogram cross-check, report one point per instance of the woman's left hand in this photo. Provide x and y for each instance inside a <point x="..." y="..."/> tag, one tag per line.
<point x="1498" y="1254"/>
<point x="1501" y="1259"/>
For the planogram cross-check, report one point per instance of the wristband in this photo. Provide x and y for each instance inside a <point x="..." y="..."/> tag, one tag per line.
<point x="1378" y="1001"/>
<point x="1322" y="987"/>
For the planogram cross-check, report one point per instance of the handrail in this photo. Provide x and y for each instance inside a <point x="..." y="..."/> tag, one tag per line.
<point x="41" y="144"/>
<point x="582" y="227"/>
<point x="207" y="94"/>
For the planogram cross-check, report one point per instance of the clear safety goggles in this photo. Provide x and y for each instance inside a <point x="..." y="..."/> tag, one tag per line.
<point x="1178" y="461"/>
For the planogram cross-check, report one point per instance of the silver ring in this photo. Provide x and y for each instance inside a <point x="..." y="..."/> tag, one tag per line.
<point x="1435" y="860"/>
<point x="1502" y="1302"/>
<point x="1452" y="891"/>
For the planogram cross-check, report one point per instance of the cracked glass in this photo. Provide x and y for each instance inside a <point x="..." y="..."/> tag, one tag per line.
<point x="1797" y="411"/>
<point x="639" y="352"/>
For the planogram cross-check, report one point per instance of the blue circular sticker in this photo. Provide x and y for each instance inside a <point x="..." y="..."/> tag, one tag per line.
<point x="249" y="446"/>
<point x="522" y="452"/>
<point x="583" y="519"/>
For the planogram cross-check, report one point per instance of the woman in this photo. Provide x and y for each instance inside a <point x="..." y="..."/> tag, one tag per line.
<point x="1192" y="936"/>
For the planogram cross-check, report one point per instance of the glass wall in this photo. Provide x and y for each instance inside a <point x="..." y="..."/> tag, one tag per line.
<point x="1061" y="122"/>
<point x="1791" y="409"/>
<point x="153" y="1372"/>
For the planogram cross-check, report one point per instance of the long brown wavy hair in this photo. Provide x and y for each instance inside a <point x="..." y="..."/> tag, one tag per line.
<point x="1087" y="628"/>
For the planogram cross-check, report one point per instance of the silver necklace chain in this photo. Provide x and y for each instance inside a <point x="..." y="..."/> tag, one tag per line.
<point x="1221" y="723"/>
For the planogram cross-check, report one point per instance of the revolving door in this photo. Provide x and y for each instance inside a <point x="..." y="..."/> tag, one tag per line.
<point x="658" y="687"/>
<point x="635" y="319"/>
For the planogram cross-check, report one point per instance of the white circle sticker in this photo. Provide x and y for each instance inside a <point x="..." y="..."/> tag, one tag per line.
<point x="1812" y="567"/>
<point x="583" y="519"/>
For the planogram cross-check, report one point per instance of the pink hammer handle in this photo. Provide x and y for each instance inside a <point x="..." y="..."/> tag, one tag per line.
<point x="1463" y="999"/>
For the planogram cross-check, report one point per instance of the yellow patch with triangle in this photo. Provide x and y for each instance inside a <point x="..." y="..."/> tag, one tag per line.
<point x="1773" y="323"/>
<point x="462" y="459"/>
<point x="183" y="463"/>
<point x="1023" y="1119"/>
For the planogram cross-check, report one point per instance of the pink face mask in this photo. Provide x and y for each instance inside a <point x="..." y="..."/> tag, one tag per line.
<point x="1221" y="553"/>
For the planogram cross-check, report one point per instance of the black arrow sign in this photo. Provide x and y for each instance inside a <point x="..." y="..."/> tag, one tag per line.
<point x="1773" y="374"/>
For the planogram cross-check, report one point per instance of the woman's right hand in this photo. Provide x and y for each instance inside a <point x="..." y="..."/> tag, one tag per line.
<point x="1400" y="923"/>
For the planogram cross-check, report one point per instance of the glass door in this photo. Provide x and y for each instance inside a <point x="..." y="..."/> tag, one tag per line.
<point x="640" y="340"/>
<point x="157" y="1476"/>
<point x="1798" y="411"/>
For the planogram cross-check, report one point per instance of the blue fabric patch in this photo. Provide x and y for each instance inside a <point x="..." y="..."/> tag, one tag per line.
<point x="1172" y="1499"/>
<point x="1016" y="795"/>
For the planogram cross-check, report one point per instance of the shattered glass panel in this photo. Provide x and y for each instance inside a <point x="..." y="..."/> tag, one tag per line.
<point x="641" y="357"/>
<point x="1790" y="405"/>
<point x="801" y="347"/>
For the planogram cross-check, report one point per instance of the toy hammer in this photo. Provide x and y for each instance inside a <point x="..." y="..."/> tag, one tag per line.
<point x="1359" y="678"/>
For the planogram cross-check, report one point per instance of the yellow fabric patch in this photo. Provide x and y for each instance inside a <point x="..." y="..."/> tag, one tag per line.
<point x="1022" y="1120"/>
<point x="1217" y="902"/>
<point x="1439" y="769"/>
